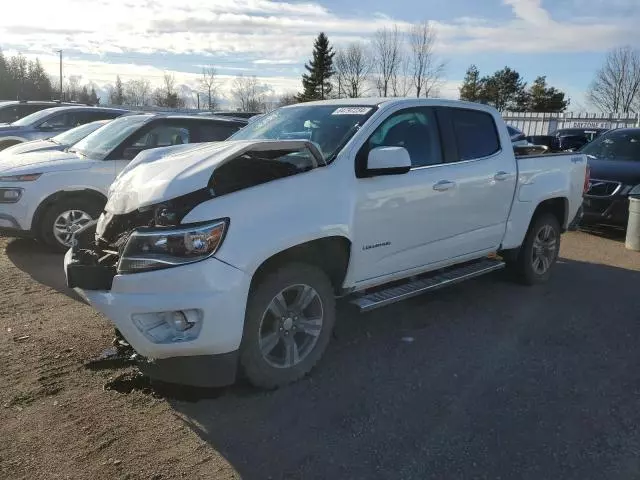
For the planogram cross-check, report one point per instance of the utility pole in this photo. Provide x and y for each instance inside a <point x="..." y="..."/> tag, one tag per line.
<point x="60" y="52"/>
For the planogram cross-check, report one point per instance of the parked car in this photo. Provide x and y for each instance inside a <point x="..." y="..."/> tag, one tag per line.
<point x="12" y="110"/>
<point x="614" y="160"/>
<point x="52" y="121"/>
<point x="49" y="195"/>
<point x="232" y="254"/>
<point x="59" y="142"/>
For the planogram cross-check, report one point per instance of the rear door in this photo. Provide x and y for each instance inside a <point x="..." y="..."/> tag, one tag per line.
<point x="484" y="174"/>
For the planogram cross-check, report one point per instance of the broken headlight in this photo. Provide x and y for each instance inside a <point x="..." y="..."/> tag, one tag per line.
<point x="155" y="248"/>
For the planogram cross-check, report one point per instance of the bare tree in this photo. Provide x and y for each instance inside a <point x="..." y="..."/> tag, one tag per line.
<point x="353" y="67"/>
<point x="249" y="94"/>
<point x="137" y="92"/>
<point x="402" y="83"/>
<point x="287" y="99"/>
<point x="209" y="84"/>
<point x="72" y="88"/>
<point x="167" y="96"/>
<point x="616" y="87"/>
<point x="387" y="58"/>
<point x="427" y="70"/>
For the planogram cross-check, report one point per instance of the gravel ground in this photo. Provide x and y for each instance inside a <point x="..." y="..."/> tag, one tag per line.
<point x="483" y="380"/>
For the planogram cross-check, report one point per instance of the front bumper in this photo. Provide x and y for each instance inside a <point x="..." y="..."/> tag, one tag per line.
<point x="218" y="290"/>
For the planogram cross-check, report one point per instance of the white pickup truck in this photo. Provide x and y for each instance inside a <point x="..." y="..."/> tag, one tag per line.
<point x="231" y="255"/>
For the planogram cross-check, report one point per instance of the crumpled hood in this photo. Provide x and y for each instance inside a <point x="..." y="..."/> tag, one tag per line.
<point x="171" y="172"/>
<point x="42" y="162"/>
<point x="27" y="147"/>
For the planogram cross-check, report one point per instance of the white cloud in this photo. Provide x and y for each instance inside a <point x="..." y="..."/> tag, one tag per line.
<point x="261" y="36"/>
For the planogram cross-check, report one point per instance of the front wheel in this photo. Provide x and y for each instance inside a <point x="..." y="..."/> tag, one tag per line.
<point x="539" y="251"/>
<point x="288" y="323"/>
<point x="66" y="216"/>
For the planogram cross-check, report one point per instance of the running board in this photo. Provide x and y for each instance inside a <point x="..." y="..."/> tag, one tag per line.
<point x="412" y="288"/>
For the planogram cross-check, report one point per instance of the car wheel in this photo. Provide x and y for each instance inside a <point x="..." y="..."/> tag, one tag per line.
<point x="288" y="324"/>
<point x="62" y="219"/>
<point x="539" y="251"/>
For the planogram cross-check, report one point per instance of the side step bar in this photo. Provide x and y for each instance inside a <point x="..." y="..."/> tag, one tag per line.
<point x="418" y="286"/>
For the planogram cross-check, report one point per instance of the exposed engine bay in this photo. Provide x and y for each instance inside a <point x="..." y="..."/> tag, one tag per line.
<point x="101" y="244"/>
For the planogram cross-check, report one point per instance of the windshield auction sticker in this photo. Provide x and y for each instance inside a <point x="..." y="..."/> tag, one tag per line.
<point x="351" y="111"/>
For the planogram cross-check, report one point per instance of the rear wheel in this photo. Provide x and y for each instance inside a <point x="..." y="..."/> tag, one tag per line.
<point x="288" y="323"/>
<point x="64" y="218"/>
<point x="539" y="251"/>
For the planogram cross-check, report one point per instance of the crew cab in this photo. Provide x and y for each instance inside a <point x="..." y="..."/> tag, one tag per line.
<point x="49" y="195"/>
<point x="232" y="254"/>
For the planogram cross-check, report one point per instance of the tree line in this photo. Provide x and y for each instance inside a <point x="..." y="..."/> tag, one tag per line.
<point x="23" y="80"/>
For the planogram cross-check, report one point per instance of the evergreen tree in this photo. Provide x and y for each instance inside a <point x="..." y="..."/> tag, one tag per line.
<point x="93" y="97"/>
<point x="116" y="95"/>
<point x="541" y="98"/>
<point x="84" y="95"/>
<point x="505" y="90"/>
<point x="471" y="89"/>
<point x="317" y="83"/>
<point x="38" y="85"/>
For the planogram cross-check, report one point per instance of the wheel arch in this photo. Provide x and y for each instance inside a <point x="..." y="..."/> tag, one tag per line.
<point x="56" y="197"/>
<point x="557" y="206"/>
<point x="330" y="254"/>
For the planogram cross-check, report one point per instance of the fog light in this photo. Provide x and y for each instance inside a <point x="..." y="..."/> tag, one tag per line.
<point x="169" y="327"/>
<point x="10" y="195"/>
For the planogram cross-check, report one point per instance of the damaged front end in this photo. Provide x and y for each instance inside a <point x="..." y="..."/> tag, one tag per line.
<point x="135" y="235"/>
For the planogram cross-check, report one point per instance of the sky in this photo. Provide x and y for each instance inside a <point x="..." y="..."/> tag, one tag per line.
<point x="566" y="40"/>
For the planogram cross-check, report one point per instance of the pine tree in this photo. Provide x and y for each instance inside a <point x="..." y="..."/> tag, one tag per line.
<point x="93" y="97"/>
<point x="317" y="83"/>
<point x="116" y="94"/>
<point x="6" y="92"/>
<point x="84" y="95"/>
<point x="505" y="90"/>
<point x="471" y="89"/>
<point x="541" y="98"/>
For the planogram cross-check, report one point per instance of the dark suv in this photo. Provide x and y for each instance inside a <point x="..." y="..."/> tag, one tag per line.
<point x="13" y="110"/>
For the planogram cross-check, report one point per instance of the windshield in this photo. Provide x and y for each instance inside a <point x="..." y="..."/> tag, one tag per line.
<point x="33" y="118"/>
<point x="101" y="142"/>
<point x="615" y="145"/>
<point x="328" y="126"/>
<point x="76" y="134"/>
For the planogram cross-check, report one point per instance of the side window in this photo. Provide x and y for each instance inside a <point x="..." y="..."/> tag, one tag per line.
<point x="57" y="121"/>
<point x="475" y="133"/>
<point x="162" y="136"/>
<point x="215" y="132"/>
<point x="416" y="130"/>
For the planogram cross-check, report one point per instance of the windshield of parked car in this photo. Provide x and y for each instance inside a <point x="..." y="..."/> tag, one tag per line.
<point x="76" y="134"/>
<point x="100" y="143"/>
<point x="33" y="118"/>
<point x="615" y="145"/>
<point x="328" y="126"/>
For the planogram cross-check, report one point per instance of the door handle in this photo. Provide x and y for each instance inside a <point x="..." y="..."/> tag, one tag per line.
<point x="500" y="176"/>
<point x="444" y="185"/>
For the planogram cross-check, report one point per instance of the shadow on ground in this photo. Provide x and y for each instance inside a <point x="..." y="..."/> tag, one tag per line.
<point x="40" y="264"/>
<point x="483" y="380"/>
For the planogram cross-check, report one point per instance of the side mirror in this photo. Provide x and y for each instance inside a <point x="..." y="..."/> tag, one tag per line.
<point x="388" y="161"/>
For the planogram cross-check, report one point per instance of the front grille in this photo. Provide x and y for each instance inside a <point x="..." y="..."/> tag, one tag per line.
<point x="602" y="188"/>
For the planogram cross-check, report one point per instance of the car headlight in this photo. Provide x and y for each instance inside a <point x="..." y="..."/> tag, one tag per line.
<point x="156" y="248"/>
<point x="10" y="195"/>
<point x="29" y="177"/>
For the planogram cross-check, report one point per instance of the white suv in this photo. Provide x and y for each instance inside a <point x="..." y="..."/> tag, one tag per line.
<point x="50" y="195"/>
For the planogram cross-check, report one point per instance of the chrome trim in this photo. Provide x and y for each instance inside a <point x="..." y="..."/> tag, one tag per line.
<point x="596" y="181"/>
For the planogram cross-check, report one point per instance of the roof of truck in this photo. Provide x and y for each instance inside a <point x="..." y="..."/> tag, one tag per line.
<point x="375" y="101"/>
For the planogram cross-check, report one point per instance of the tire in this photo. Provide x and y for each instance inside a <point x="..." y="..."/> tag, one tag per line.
<point x="85" y="208"/>
<point x="526" y="269"/>
<point x="264" y="331"/>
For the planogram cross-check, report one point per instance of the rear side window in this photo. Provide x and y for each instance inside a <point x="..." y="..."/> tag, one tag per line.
<point x="475" y="134"/>
<point x="215" y="132"/>
<point x="9" y="114"/>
